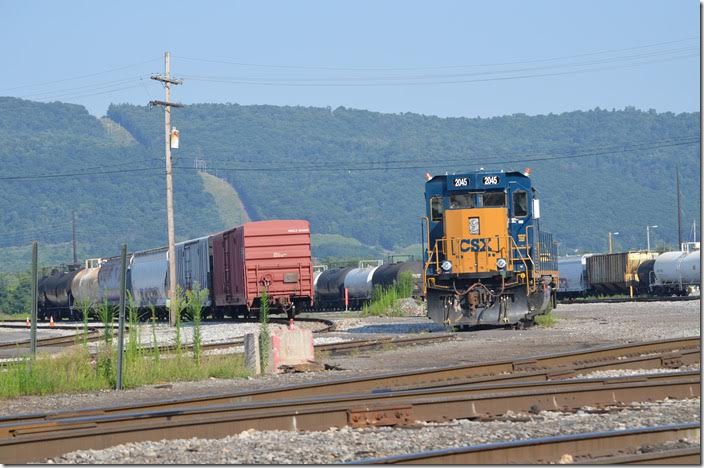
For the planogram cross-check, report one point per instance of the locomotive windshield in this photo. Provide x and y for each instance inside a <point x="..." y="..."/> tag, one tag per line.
<point x="493" y="199"/>
<point x="462" y="200"/>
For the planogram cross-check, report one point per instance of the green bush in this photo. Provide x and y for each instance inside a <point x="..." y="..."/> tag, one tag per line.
<point x="385" y="300"/>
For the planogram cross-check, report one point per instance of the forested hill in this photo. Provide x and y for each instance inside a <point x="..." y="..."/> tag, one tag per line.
<point x="360" y="173"/>
<point x="352" y="173"/>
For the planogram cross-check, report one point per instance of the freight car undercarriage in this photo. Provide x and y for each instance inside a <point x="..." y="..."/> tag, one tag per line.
<point x="469" y="304"/>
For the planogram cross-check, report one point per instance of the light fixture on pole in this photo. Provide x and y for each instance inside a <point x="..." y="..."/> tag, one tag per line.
<point x="647" y="234"/>
<point x="611" y="241"/>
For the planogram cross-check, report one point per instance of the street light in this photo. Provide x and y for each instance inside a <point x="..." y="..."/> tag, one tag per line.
<point x="611" y="241"/>
<point x="647" y="234"/>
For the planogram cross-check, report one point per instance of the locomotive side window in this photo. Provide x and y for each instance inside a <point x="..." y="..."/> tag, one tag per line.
<point x="494" y="199"/>
<point x="464" y="200"/>
<point x="436" y="209"/>
<point x="520" y="203"/>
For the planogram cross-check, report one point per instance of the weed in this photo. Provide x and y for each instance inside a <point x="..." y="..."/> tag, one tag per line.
<point x="176" y="306"/>
<point x="385" y="300"/>
<point x="155" y="343"/>
<point x="133" y="331"/>
<point x="195" y="299"/>
<point x="72" y="371"/>
<point x="264" y="338"/>
<point x="547" y="319"/>
<point x="85" y="305"/>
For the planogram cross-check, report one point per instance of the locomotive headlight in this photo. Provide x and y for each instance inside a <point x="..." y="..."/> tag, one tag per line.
<point x="446" y="265"/>
<point x="500" y="263"/>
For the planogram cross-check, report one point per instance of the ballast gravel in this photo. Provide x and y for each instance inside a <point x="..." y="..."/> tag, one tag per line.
<point x="347" y="444"/>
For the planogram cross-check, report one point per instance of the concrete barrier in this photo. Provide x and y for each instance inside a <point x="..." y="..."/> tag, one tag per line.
<point x="290" y="347"/>
<point x="251" y="353"/>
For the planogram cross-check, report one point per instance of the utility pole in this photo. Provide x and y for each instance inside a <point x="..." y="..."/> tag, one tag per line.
<point x="73" y="227"/>
<point x="167" y="104"/>
<point x="679" y="212"/>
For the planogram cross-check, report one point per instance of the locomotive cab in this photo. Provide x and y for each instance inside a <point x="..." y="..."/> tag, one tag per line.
<point x="486" y="260"/>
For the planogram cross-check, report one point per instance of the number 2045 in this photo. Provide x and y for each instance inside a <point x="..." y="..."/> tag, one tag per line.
<point x="461" y="182"/>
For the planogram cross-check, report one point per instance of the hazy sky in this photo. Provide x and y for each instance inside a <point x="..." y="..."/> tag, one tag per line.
<point x="448" y="58"/>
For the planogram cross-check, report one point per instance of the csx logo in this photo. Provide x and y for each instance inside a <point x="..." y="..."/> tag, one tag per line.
<point x="475" y="245"/>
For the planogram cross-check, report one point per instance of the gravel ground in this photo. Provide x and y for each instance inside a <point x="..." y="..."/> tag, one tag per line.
<point x="346" y="444"/>
<point x="627" y="372"/>
<point x="578" y="326"/>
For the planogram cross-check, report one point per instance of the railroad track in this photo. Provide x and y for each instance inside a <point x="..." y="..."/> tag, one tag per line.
<point x="610" y="447"/>
<point x="356" y="402"/>
<point x="66" y="340"/>
<point x="618" y="300"/>
<point x="94" y="334"/>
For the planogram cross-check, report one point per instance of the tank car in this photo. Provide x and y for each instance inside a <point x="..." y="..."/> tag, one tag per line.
<point x="56" y="298"/>
<point x="389" y="273"/>
<point x="675" y="272"/>
<point x="330" y="289"/>
<point x="486" y="260"/>
<point x="358" y="283"/>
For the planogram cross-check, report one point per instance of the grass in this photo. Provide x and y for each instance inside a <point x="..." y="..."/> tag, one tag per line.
<point x="546" y="320"/>
<point x="385" y="300"/>
<point x="75" y="371"/>
<point x="230" y="208"/>
<point x="19" y="316"/>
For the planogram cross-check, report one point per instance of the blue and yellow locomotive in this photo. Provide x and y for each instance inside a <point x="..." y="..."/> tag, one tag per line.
<point x="486" y="261"/>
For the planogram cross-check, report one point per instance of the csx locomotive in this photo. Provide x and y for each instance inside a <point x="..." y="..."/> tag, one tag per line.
<point x="485" y="260"/>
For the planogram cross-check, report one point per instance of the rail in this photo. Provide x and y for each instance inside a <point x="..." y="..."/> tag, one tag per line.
<point x="583" y="448"/>
<point x="35" y="441"/>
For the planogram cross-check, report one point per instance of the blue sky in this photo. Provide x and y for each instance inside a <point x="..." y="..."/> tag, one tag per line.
<point x="447" y="58"/>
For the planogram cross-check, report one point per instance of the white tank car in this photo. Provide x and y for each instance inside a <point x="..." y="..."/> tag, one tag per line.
<point x="359" y="285"/>
<point x="674" y="272"/>
<point x="85" y="287"/>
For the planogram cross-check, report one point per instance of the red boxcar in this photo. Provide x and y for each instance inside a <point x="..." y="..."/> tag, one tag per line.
<point x="271" y="254"/>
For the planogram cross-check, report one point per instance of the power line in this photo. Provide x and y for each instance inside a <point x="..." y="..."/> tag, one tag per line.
<point x="641" y="145"/>
<point x="238" y="81"/>
<point x="335" y="166"/>
<point x="92" y="86"/>
<point x="80" y="76"/>
<point x="80" y="174"/>
<point x="460" y="75"/>
<point x="313" y="67"/>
